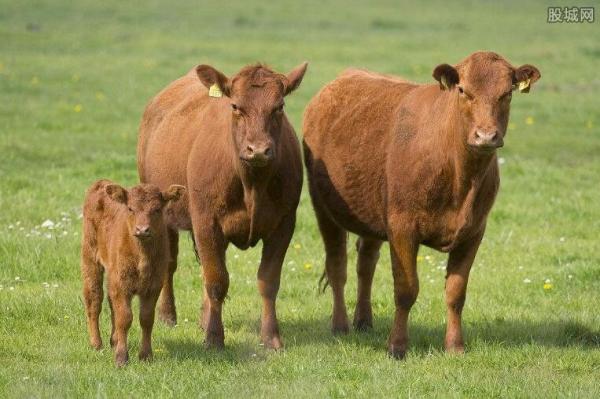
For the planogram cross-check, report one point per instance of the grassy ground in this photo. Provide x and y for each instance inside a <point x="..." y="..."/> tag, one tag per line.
<point x="74" y="78"/>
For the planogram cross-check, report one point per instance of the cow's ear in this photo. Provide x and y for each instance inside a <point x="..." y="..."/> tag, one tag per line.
<point x="525" y="76"/>
<point x="294" y="78"/>
<point x="116" y="193"/>
<point x="215" y="81"/>
<point x="173" y="193"/>
<point x="446" y="75"/>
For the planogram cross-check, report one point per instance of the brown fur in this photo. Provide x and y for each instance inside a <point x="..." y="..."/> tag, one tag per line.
<point x="412" y="164"/>
<point x="240" y="159"/>
<point x="124" y="235"/>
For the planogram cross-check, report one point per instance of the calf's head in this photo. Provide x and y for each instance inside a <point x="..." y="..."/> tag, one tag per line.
<point x="483" y="84"/>
<point x="144" y="203"/>
<point x="257" y="96"/>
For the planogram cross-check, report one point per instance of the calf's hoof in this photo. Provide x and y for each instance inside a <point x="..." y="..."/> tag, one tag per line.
<point x="455" y="348"/>
<point x="339" y="325"/>
<point x="273" y="342"/>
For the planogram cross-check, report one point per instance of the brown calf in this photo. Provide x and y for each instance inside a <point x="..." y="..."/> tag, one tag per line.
<point x="412" y="164"/>
<point x="125" y="235"/>
<point x="229" y="141"/>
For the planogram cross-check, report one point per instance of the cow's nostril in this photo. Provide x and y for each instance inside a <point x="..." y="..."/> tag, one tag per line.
<point x="250" y="149"/>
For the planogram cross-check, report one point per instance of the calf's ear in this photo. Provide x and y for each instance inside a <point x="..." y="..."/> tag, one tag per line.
<point x="116" y="193"/>
<point x="525" y="76"/>
<point x="446" y="75"/>
<point x="173" y="193"/>
<point x="215" y="81"/>
<point x="294" y="78"/>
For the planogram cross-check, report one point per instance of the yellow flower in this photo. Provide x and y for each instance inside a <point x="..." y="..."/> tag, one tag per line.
<point x="419" y="258"/>
<point x="308" y="266"/>
<point x="297" y="246"/>
<point x="547" y="286"/>
<point x="77" y="108"/>
<point x="529" y="120"/>
<point x="589" y="123"/>
<point x="35" y="81"/>
<point x="100" y="96"/>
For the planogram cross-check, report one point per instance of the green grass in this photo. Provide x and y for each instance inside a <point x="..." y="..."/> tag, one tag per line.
<point x="105" y="59"/>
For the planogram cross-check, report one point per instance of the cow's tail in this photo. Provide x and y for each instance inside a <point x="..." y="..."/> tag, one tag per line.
<point x="323" y="282"/>
<point x="195" y="247"/>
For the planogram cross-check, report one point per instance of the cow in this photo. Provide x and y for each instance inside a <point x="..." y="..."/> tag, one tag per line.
<point x="124" y="235"/>
<point x="230" y="143"/>
<point x="412" y="164"/>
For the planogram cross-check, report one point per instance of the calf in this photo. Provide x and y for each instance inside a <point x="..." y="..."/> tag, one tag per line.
<point x="228" y="140"/>
<point x="125" y="235"/>
<point x="411" y="164"/>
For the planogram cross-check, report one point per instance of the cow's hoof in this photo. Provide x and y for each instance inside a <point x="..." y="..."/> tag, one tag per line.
<point x="214" y="341"/>
<point x="97" y="345"/>
<point x="121" y="359"/>
<point x="146" y="356"/>
<point x="341" y="329"/>
<point x="398" y="353"/>
<point x="272" y="343"/>
<point x="168" y="318"/>
<point x="363" y="324"/>
<point x="455" y="349"/>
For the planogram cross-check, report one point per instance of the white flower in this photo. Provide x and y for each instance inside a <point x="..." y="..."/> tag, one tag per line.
<point x="501" y="161"/>
<point x="570" y="276"/>
<point x="562" y="239"/>
<point x="10" y="226"/>
<point x="49" y="224"/>
<point x="527" y="281"/>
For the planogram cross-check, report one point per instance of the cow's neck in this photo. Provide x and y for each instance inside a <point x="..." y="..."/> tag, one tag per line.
<point x="255" y="182"/>
<point x="470" y="168"/>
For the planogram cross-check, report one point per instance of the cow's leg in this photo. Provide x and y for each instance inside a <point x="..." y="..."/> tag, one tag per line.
<point x="147" y="306"/>
<point x="92" y="274"/>
<point x="457" y="276"/>
<point x="167" y="312"/>
<point x="122" y="322"/>
<point x="211" y="246"/>
<point x="368" y="255"/>
<point x="269" y="274"/>
<point x="406" y="288"/>
<point x="336" y="263"/>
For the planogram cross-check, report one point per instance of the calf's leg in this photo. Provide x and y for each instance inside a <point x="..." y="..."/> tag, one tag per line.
<point x="406" y="288"/>
<point x="269" y="275"/>
<point x="167" y="312"/>
<point x="92" y="275"/>
<point x="123" y="317"/>
<point x="147" y="306"/>
<point x="460" y="261"/>
<point x="368" y="255"/>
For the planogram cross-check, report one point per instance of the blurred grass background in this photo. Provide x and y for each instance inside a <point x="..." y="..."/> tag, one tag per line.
<point x="74" y="79"/>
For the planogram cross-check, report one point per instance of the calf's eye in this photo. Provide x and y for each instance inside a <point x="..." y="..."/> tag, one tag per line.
<point x="460" y="90"/>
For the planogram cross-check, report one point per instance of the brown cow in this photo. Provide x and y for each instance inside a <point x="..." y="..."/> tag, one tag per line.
<point x="124" y="234"/>
<point x="411" y="164"/>
<point x="229" y="141"/>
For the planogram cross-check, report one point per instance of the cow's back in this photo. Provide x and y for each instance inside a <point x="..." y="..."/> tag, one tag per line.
<point x="348" y="128"/>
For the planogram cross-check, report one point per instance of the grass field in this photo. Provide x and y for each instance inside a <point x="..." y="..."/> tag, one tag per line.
<point x="74" y="79"/>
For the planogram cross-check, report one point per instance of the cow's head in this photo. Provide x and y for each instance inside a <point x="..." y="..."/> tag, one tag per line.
<point x="483" y="84"/>
<point x="144" y="203"/>
<point x="256" y="94"/>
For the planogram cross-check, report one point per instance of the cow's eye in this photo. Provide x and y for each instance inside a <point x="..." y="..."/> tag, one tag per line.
<point x="279" y="109"/>
<point x="460" y="90"/>
<point x="234" y="107"/>
<point x="129" y="209"/>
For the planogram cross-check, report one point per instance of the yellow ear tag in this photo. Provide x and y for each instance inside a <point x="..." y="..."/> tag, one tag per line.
<point x="524" y="85"/>
<point x="444" y="82"/>
<point x="215" y="91"/>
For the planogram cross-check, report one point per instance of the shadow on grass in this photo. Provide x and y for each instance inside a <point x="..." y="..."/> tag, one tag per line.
<point x="423" y="339"/>
<point x="501" y="332"/>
